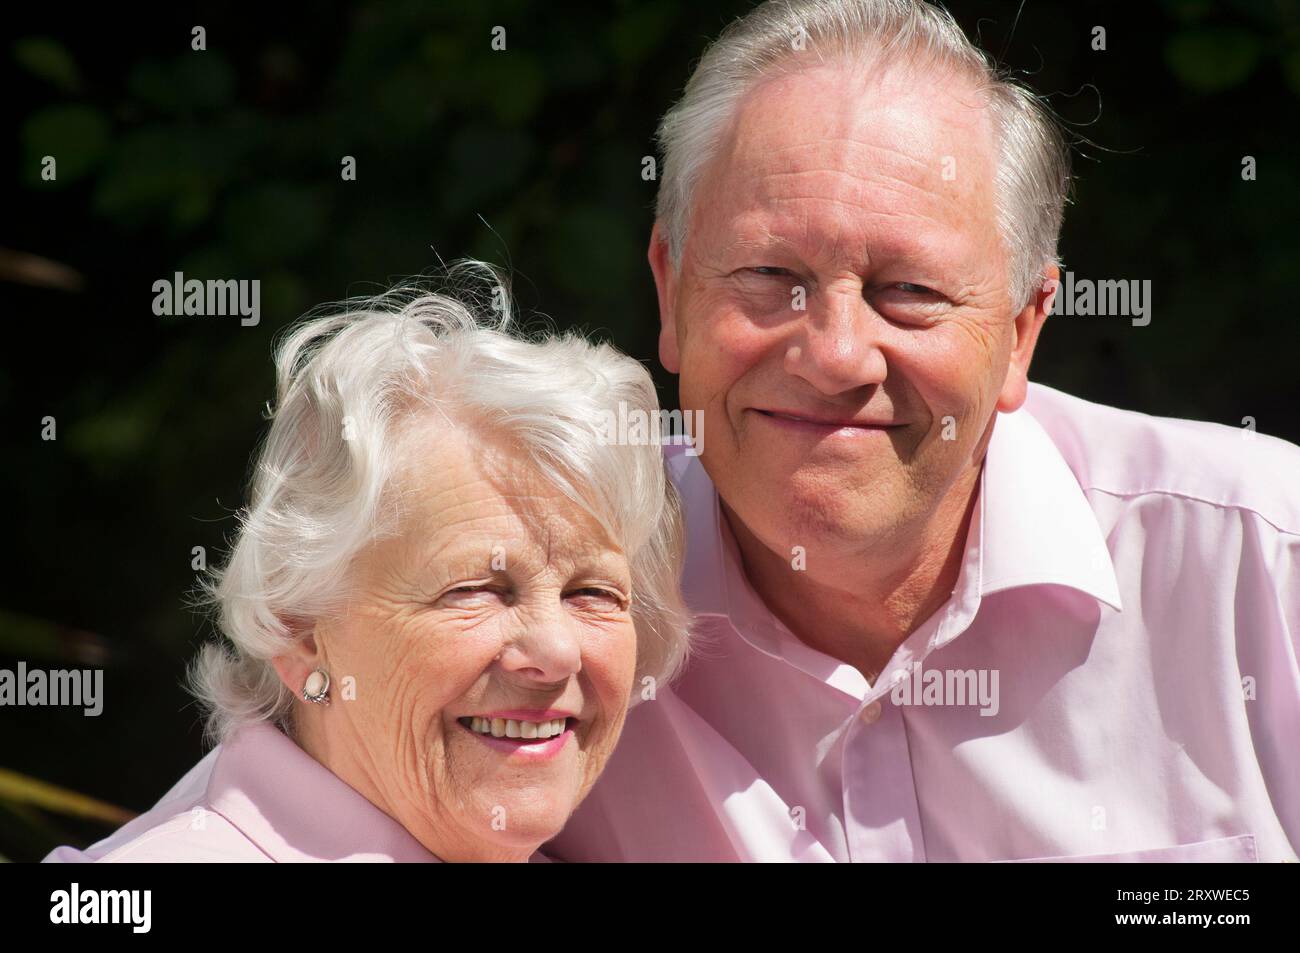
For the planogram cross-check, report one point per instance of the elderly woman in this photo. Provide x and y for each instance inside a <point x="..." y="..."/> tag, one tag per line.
<point x="444" y="595"/>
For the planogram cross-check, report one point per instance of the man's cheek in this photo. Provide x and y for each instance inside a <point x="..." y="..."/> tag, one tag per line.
<point x="707" y="373"/>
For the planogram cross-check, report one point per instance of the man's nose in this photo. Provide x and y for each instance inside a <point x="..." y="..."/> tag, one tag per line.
<point x="836" y="348"/>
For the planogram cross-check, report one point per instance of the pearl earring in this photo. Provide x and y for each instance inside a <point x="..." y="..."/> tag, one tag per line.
<point x="317" y="688"/>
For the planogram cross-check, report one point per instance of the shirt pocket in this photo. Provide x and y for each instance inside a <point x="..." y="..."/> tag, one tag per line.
<point x="1222" y="850"/>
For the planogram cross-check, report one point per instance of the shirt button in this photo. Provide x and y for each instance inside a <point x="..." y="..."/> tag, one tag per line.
<point x="870" y="714"/>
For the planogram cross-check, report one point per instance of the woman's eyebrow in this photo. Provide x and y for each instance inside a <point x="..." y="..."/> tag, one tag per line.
<point x="611" y="564"/>
<point x="455" y="557"/>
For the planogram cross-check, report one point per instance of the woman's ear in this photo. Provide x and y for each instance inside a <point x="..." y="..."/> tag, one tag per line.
<point x="303" y="656"/>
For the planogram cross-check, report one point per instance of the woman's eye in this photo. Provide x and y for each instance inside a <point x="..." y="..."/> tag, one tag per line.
<point x="595" y="594"/>
<point x="473" y="593"/>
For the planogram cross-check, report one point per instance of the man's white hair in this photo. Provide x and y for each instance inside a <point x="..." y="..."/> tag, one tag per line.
<point x="350" y="381"/>
<point x="1033" y="174"/>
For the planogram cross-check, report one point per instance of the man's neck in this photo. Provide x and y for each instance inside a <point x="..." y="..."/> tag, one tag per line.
<point x="863" y="607"/>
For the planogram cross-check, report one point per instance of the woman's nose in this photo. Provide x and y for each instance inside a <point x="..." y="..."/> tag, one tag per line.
<point x="546" y="648"/>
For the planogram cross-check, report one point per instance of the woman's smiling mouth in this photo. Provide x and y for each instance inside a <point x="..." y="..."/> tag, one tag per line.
<point x="534" y="735"/>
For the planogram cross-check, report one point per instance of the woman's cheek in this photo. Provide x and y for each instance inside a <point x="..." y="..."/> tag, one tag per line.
<point x="463" y="639"/>
<point x="612" y="663"/>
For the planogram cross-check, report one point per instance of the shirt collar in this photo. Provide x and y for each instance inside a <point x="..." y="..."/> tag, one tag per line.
<point x="1038" y="527"/>
<point x="1031" y="526"/>
<point x="295" y="809"/>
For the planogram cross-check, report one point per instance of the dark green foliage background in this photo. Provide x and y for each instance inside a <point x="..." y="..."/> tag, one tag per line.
<point x="226" y="163"/>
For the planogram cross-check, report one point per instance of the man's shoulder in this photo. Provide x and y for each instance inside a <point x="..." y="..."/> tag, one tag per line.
<point x="1123" y="453"/>
<point x="686" y="470"/>
<point x="678" y="455"/>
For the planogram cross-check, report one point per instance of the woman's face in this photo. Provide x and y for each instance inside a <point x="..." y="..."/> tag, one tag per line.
<point x="498" y="609"/>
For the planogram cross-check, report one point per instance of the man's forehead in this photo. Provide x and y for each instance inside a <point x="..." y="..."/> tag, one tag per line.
<point x="904" y="107"/>
<point x="824" y="145"/>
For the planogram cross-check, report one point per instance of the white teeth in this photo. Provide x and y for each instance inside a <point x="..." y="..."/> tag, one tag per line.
<point x="512" y="728"/>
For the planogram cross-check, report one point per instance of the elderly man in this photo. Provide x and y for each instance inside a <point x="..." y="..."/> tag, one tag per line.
<point x="945" y="614"/>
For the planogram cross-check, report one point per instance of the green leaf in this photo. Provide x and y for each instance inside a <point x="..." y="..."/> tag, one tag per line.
<point x="269" y="223"/>
<point x="1291" y="67"/>
<point x="1209" y="60"/>
<point x="48" y="59"/>
<point x="76" y="136"/>
<point x="198" y="80"/>
<point x="483" y="163"/>
<point x="639" y="31"/>
<point x="594" y="253"/>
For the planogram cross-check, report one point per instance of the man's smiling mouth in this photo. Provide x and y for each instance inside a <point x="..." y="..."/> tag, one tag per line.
<point x="794" y="418"/>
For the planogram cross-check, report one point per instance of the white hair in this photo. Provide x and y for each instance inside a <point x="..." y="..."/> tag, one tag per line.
<point x="349" y="380"/>
<point x="1033" y="174"/>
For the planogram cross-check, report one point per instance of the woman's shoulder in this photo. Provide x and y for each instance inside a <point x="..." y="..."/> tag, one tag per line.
<point x="195" y="836"/>
<point x="179" y="828"/>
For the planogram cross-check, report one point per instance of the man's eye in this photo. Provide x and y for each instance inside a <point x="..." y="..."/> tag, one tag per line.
<point x="913" y="289"/>
<point x="768" y="270"/>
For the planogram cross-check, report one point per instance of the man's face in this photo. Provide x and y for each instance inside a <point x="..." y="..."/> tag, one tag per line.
<point x="870" y="203"/>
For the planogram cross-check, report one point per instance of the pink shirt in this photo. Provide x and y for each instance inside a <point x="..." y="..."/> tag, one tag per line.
<point x="1134" y="582"/>
<point x="257" y="798"/>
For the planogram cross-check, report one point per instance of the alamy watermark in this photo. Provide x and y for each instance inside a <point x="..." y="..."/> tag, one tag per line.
<point x="130" y="907"/>
<point x="1087" y="297"/>
<point x="638" y="428"/>
<point x="79" y="688"/>
<point x="943" y="687"/>
<point x="215" y="297"/>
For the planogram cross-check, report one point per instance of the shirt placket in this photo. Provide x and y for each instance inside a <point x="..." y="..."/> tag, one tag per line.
<point x="882" y="820"/>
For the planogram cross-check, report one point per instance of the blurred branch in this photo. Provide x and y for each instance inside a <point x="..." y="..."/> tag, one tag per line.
<point x="24" y="636"/>
<point x="27" y="269"/>
<point x="20" y="789"/>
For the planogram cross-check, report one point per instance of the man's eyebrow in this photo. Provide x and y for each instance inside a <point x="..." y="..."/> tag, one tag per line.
<point x="766" y="240"/>
<point x="917" y="245"/>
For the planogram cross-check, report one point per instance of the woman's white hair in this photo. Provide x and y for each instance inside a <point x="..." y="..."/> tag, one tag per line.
<point x="350" y="378"/>
<point x="1033" y="176"/>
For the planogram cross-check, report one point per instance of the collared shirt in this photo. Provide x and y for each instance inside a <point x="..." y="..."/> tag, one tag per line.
<point x="1134" y="585"/>
<point x="257" y="798"/>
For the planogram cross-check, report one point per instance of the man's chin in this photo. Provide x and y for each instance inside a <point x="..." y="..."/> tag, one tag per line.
<point x="814" y="515"/>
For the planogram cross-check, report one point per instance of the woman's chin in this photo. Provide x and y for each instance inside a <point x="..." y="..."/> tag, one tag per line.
<point x="523" y="831"/>
<point x="524" y="816"/>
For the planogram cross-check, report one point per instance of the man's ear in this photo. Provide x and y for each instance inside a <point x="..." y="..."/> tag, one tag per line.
<point x="666" y="286"/>
<point x="1025" y="329"/>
